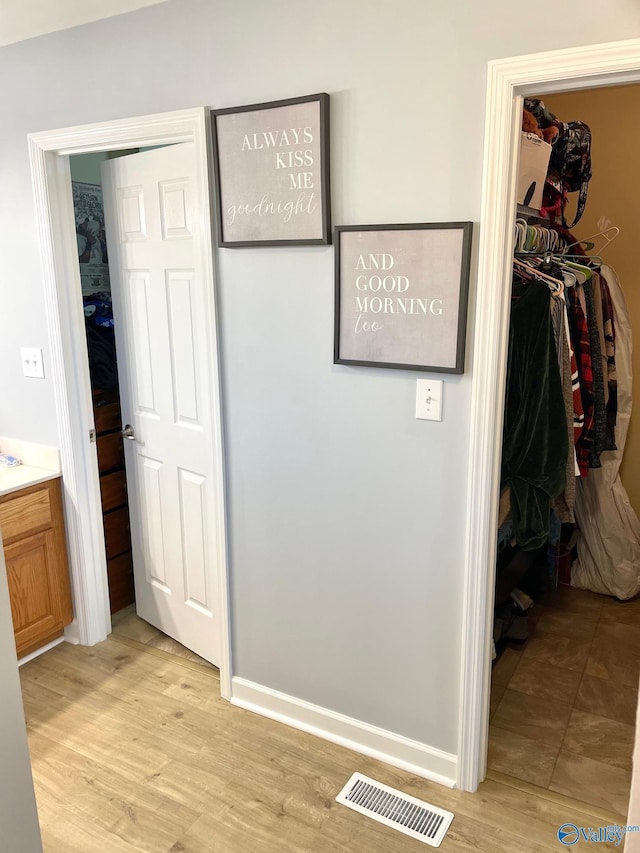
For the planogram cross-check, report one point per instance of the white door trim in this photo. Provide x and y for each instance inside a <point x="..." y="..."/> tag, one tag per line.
<point x="49" y="153"/>
<point x="507" y="80"/>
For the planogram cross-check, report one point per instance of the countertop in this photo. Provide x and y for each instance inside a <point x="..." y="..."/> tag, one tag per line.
<point x="40" y="463"/>
<point x="12" y="479"/>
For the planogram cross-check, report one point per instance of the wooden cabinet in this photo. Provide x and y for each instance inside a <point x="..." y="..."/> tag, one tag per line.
<point x="115" y="509"/>
<point x="35" y="550"/>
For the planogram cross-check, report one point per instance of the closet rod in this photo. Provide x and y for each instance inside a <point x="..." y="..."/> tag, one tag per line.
<point x="557" y="256"/>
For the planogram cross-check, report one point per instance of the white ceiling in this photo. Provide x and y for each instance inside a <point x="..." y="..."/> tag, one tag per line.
<point x="24" y="19"/>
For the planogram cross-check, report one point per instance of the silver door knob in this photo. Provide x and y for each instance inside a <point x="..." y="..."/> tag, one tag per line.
<point x="127" y="432"/>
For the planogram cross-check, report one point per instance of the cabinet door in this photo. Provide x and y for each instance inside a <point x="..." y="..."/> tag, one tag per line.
<point x="34" y="591"/>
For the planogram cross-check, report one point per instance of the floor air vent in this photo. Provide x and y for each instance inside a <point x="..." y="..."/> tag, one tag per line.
<point x="393" y="808"/>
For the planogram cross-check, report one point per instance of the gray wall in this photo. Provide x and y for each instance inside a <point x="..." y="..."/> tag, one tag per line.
<point x="346" y="514"/>
<point x="18" y="817"/>
<point x="86" y="167"/>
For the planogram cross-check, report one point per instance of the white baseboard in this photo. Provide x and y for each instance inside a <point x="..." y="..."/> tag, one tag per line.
<point x="41" y="651"/>
<point x="72" y="633"/>
<point x="410" y="755"/>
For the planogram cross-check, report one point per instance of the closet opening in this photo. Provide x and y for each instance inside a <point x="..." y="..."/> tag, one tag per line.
<point x="96" y="276"/>
<point x="93" y="257"/>
<point x="564" y="683"/>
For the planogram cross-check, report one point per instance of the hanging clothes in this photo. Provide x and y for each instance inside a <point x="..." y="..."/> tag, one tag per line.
<point x="599" y="405"/>
<point x="610" y="349"/>
<point x="562" y="505"/>
<point x="101" y="343"/>
<point x="609" y="544"/>
<point x="535" y="442"/>
<point x="581" y="346"/>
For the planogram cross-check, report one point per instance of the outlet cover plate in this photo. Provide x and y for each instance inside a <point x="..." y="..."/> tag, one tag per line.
<point x="32" y="365"/>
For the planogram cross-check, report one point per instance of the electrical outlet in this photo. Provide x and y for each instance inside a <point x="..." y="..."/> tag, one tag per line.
<point x="32" y="365"/>
<point x="429" y="399"/>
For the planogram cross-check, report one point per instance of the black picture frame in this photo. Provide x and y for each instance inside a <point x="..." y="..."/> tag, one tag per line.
<point x="228" y="178"/>
<point x="423" y="332"/>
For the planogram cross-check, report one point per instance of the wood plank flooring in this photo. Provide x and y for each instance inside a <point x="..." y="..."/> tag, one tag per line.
<point x="133" y="751"/>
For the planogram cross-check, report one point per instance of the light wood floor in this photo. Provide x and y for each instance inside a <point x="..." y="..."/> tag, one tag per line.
<point x="564" y="707"/>
<point x="133" y="750"/>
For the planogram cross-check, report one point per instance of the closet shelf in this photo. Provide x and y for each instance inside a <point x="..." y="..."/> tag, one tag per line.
<point x="531" y="212"/>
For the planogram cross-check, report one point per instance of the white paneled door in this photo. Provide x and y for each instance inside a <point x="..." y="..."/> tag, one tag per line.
<point x="165" y="373"/>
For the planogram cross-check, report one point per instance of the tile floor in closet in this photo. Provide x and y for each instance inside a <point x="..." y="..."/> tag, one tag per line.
<point x="563" y="708"/>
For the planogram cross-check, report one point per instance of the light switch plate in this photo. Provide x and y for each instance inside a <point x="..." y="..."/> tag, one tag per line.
<point x="32" y="365"/>
<point x="429" y="399"/>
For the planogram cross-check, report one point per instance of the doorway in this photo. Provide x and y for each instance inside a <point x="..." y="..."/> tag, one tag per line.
<point x="564" y="684"/>
<point x="507" y="82"/>
<point x="50" y="153"/>
<point x="95" y="280"/>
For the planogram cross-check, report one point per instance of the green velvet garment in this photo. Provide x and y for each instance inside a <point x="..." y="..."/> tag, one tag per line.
<point x="535" y="443"/>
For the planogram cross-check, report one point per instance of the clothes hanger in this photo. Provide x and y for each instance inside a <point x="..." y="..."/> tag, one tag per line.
<point x="606" y="233"/>
<point x="529" y="239"/>
<point x="545" y="257"/>
<point x="520" y="234"/>
<point x="561" y="258"/>
<point x="536" y="238"/>
<point x="536" y="273"/>
<point x="543" y="238"/>
<point x="583" y="273"/>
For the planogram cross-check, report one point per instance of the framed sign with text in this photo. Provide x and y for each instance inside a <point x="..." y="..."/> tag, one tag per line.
<point x="272" y="173"/>
<point x="401" y="295"/>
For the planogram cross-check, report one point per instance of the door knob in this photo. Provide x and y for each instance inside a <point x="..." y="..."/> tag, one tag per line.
<point x="127" y="432"/>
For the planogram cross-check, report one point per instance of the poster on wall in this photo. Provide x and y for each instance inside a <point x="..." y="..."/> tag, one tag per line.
<point x="401" y="295"/>
<point x="90" y="234"/>
<point x="272" y="173"/>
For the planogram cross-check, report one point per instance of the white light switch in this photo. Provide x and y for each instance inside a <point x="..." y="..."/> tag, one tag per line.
<point x="429" y="399"/>
<point x="32" y="364"/>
